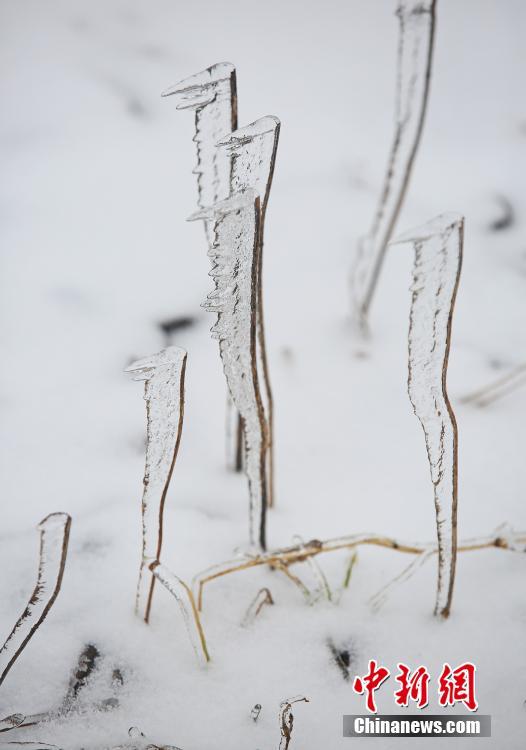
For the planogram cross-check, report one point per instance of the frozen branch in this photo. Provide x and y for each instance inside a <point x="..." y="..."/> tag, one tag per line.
<point x="436" y="273"/>
<point x="253" y="151"/>
<point x="164" y="395"/>
<point x="415" y="52"/>
<point x="54" y="537"/>
<point x="234" y="256"/>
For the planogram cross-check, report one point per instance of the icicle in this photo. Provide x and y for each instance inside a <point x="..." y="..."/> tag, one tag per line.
<point x="253" y="151"/>
<point x="415" y="52"/>
<point x="164" y="395"/>
<point x="54" y="537"/>
<point x="212" y="95"/>
<point x="234" y="257"/>
<point x="436" y="272"/>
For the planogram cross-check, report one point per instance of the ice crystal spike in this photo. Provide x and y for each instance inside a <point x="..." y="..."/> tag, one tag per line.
<point x="253" y="150"/>
<point x="212" y="95"/>
<point x="54" y="537"/>
<point x="436" y="271"/>
<point x="234" y="256"/>
<point x="415" y="53"/>
<point x="164" y="395"/>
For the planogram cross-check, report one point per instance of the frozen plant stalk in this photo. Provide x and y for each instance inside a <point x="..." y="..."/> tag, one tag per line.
<point x="436" y="272"/>
<point x="164" y="395"/>
<point x="415" y="53"/>
<point x="253" y="151"/>
<point x="54" y="537"/>
<point x="212" y="95"/>
<point x="234" y="256"/>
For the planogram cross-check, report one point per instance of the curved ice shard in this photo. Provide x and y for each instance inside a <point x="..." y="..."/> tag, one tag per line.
<point x="415" y="53"/>
<point x="234" y="256"/>
<point x="54" y="537"/>
<point x="436" y="272"/>
<point x="212" y="95"/>
<point x="253" y="151"/>
<point x="163" y="374"/>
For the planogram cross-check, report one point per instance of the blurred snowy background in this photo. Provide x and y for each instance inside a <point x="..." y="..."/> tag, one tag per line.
<point x="96" y="185"/>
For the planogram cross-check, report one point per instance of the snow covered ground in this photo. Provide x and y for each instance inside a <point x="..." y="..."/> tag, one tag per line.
<point x="96" y="186"/>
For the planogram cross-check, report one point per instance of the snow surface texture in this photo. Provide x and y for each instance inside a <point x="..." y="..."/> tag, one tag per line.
<point x="96" y="185"/>
<point x="415" y="52"/>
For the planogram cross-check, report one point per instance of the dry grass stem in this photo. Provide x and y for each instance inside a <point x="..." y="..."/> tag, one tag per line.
<point x="283" y="558"/>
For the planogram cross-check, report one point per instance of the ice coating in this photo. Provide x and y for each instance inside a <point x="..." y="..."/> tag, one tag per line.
<point x="184" y="598"/>
<point x="415" y="52"/>
<point x="436" y="272"/>
<point x="11" y="722"/>
<point x="54" y="537"/>
<point x="163" y="376"/>
<point x="212" y="95"/>
<point x="234" y="257"/>
<point x="253" y="150"/>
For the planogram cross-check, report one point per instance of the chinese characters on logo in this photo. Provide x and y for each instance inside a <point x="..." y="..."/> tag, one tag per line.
<point x="454" y="685"/>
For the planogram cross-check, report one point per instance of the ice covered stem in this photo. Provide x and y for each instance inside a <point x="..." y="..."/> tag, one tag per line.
<point x="436" y="272"/>
<point x="286" y="720"/>
<point x="163" y="376"/>
<point x="234" y="256"/>
<point x="253" y="152"/>
<point x="212" y="95"/>
<point x="415" y="53"/>
<point x="54" y="537"/>
<point x="184" y="597"/>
